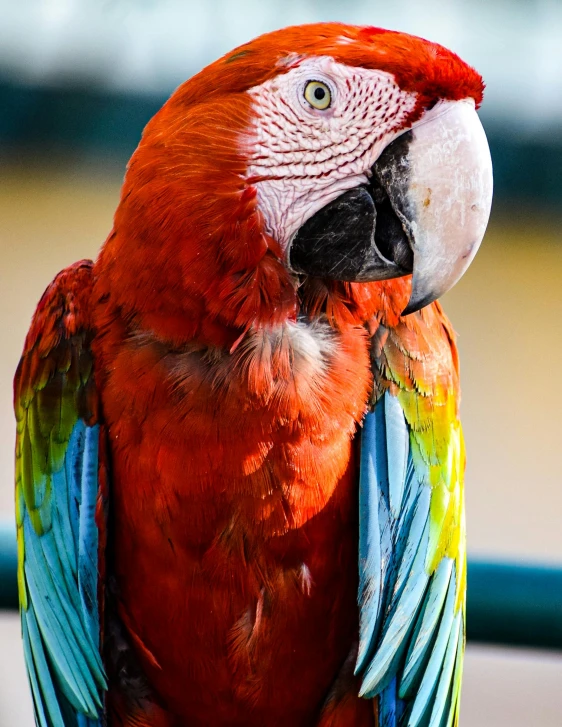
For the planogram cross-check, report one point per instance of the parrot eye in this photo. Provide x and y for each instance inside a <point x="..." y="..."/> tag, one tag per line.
<point x="318" y="95"/>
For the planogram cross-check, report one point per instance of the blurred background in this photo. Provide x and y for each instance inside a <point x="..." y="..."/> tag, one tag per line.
<point x="78" y="81"/>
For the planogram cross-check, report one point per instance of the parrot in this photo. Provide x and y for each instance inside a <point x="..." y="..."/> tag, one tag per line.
<point x="239" y="458"/>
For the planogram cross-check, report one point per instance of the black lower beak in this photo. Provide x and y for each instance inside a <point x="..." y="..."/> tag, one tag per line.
<point x="357" y="237"/>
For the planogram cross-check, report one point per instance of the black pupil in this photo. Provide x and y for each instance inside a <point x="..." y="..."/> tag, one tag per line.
<point x="319" y="93"/>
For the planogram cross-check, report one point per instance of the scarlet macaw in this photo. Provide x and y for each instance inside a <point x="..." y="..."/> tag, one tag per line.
<point x="247" y="389"/>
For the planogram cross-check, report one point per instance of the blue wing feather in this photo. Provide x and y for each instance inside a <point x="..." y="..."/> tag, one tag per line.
<point x="388" y="703"/>
<point x="370" y="541"/>
<point x="430" y="678"/>
<point x="73" y="468"/>
<point x="88" y="540"/>
<point x="44" y="696"/>
<point x="57" y="490"/>
<point x="445" y="685"/>
<point x="418" y="652"/>
<point x="68" y="631"/>
<point x="397" y="447"/>
<point x="409" y="624"/>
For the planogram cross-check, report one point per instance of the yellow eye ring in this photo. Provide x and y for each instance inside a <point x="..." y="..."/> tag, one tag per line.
<point x="318" y="95"/>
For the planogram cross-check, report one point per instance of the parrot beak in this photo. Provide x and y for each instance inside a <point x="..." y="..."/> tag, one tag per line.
<point x="439" y="180"/>
<point x="425" y="211"/>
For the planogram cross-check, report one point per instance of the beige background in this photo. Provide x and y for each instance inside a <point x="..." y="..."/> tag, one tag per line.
<point x="507" y="311"/>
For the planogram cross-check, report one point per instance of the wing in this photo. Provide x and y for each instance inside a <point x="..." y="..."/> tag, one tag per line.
<point x="412" y="539"/>
<point x="60" y="507"/>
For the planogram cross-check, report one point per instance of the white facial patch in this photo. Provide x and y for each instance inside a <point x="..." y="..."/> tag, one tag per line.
<point x="301" y="158"/>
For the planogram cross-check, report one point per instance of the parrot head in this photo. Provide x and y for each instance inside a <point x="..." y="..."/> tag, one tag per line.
<point x="327" y="152"/>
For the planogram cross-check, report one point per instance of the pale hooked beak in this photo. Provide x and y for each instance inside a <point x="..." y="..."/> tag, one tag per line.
<point x="441" y="189"/>
<point x="425" y="211"/>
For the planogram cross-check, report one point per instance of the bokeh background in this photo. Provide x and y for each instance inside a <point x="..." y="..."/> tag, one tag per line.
<point x="80" y="78"/>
